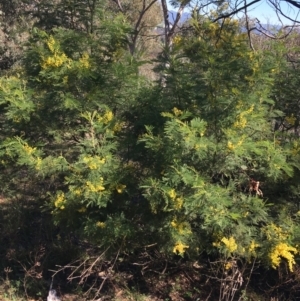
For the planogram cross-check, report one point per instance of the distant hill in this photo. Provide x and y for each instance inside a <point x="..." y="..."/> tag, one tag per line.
<point x="186" y="15"/>
<point x="172" y="16"/>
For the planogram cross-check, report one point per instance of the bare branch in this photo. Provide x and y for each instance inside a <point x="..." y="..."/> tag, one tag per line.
<point x="119" y="5"/>
<point x="278" y="9"/>
<point x="170" y="30"/>
<point x="248" y="27"/>
<point x="264" y="31"/>
<point x="294" y="3"/>
<point x="137" y="28"/>
<point x="178" y="16"/>
<point x="166" y="20"/>
<point x="236" y="10"/>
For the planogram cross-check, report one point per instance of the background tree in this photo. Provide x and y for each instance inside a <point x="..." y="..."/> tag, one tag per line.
<point x="144" y="16"/>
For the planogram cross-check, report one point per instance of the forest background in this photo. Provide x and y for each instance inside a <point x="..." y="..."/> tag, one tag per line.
<point x="147" y="159"/>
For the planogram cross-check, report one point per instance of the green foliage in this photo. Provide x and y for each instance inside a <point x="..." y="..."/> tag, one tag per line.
<point x="195" y="163"/>
<point x="211" y="151"/>
<point x="60" y="125"/>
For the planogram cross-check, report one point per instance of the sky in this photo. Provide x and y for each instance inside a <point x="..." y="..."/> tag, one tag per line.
<point x="264" y="12"/>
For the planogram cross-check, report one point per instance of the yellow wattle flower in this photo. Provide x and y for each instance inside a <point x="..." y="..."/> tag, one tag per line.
<point x="177" y="112"/>
<point x="183" y="228"/>
<point x="85" y="60"/>
<point x="179" y="248"/>
<point x="230" y="145"/>
<point x="38" y="163"/>
<point x="51" y="43"/>
<point x="229" y="243"/>
<point x="172" y="194"/>
<point x="95" y="188"/>
<point x="107" y="117"/>
<point x="228" y="265"/>
<point x="120" y="188"/>
<point x="59" y="202"/>
<point x="178" y="202"/>
<point x="253" y="246"/>
<point x="82" y="210"/>
<point x="282" y="250"/>
<point x="57" y="60"/>
<point x="291" y="119"/>
<point x="100" y="224"/>
<point x="28" y="149"/>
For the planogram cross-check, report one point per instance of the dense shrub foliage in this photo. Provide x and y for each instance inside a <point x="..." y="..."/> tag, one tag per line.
<point x="204" y="162"/>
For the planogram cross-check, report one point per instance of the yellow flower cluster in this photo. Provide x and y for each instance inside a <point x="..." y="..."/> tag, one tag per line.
<point x="276" y="166"/>
<point x="253" y="246"/>
<point x="16" y="119"/>
<point x="182" y="228"/>
<point x="273" y="231"/>
<point x="217" y="211"/>
<point x="179" y="248"/>
<point x="296" y="148"/>
<point x="93" y="162"/>
<point x="251" y="55"/>
<point x="178" y="202"/>
<point x="241" y="122"/>
<point x="229" y="243"/>
<point x="56" y="60"/>
<point x="100" y="225"/>
<point x="285" y="251"/>
<point x="38" y="163"/>
<point x="60" y="200"/>
<point x="231" y="146"/>
<point x="226" y="35"/>
<point x="120" y="188"/>
<point x="250" y="110"/>
<point x="172" y="194"/>
<point x="29" y="150"/>
<point x="51" y="44"/>
<point x="228" y="265"/>
<point x="107" y="117"/>
<point x="118" y="126"/>
<point x="291" y="119"/>
<point x="77" y="191"/>
<point x="95" y="188"/>
<point x="217" y="237"/>
<point x="82" y="210"/>
<point x="213" y="26"/>
<point x="241" y="119"/>
<point x="85" y="60"/>
<point x="177" y="112"/>
<point x="177" y="40"/>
